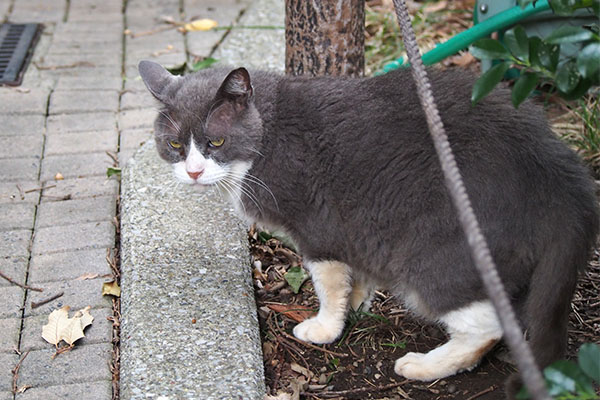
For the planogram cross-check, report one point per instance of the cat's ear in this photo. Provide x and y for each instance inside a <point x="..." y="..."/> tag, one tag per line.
<point x="236" y="87"/>
<point x="156" y="78"/>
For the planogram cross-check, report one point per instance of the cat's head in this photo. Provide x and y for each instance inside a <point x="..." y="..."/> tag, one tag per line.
<point x="208" y="127"/>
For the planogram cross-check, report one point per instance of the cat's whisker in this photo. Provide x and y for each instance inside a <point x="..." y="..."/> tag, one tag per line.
<point x="243" y="190"/>
<point x="231" y="191"/>
<point x="247" y="176"/>
<point x="175" y="124"/>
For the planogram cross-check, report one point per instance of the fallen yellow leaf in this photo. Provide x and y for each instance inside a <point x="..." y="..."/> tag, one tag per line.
<point x="204" y="24"/>
<point x="111" y="288"/>
<point x="59" y="177"/>
<point x="51" y="332"/>
<point x="61" y="327"/>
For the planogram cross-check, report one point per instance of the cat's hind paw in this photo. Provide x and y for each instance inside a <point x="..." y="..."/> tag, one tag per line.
<point x="418" y="366"/>
<point x="313" y="330"/>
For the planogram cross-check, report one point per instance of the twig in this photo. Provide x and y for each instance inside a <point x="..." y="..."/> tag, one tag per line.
<point x="476" y="395"/>
<point x="20" y="284"/>
<point x="66" y="66"/>
<point x="358" y="390"/>
<point x="40" y="188"/>
<point x="21" y="192"/>
<point x="15" y="372"/>
<point x="48" y="300"/>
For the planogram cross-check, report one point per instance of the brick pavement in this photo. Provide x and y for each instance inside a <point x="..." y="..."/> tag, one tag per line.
<point x="81" y="106"/>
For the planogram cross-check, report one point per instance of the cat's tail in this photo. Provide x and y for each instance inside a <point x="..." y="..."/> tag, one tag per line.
<point x="548" y="303"/>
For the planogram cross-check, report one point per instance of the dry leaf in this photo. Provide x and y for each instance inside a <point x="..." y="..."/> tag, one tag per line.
<point x="111" y="288"/>
<point x="71" y="331"/>
<point x="85" y="316"/>
<point x="204" y="24"/>
<point x="293" y="311"/>
<point x="86" y="276"/>
<point x="59" y="177"/>
<point x="56" y="320"/>
<point x="435" y="7"/>
<point x="301" y="370"/>
<point x="61" y="327"/>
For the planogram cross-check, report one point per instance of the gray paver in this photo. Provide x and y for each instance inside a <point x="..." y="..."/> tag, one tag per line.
<point x="78" y="294"/>
<point x="139" y="98"/>
<point x="6" y="395"/>
<point x="30" y="101"/>
<point x="82" y="122"/>
<point x="98" y="332"/>
<point x="98" y="59"/>
<point x="17" y="216"/>
<point x="12" y="301"/>
<point x="81" y="188"/>
<point x="21" y="146"/>
<point x="73" y="237"/>
<point x="6" y="377"/>
<point x="9" y="339"/>
<point x="19" y="192"/>
<point x="71" y="212"/>
<point x="38" y="10"/>
<point x="14" y="125"/>
<point x="14" y="267"/>
<point x="15" y="243"/>
<point x="101" y="390"/>
<point x="75" y="165"/>
<point x="74" y="101"/>
<point x="38" y="369"/>
<point x="142" y="118"/>
<point x="135" y="138"/>
<point x="82" y="142"/>
<point x="68" y="265"/>
<point x="79" y="83"/>
<point x="19" y="169"/>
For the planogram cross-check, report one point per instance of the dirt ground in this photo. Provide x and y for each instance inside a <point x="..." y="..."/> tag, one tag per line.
<point x="360" y="364"/>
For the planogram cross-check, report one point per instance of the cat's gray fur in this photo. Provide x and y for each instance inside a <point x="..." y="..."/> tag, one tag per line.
<point x="355" y="176"/>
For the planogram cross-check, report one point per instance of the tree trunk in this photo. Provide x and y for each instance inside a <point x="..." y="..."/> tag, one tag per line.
<point x="325" y="37"/>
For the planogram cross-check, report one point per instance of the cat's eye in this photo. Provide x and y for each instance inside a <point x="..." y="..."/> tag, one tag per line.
<point x="216" y="142"/>
<point x="175" y="144"/>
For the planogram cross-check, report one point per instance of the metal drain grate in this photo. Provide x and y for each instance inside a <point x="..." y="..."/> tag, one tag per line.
<point x="16" y="47"/>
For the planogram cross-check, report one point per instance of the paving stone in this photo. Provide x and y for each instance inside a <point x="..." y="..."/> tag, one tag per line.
<point x="98" y="59"/>
<point x="70" y="212"/>
<point x="133" y="80"/>
<point x="38" y="11"/>
<point x="77" y="295"/>
<point x="82" y="70"/>
<point x="82" y="364"/>
<point x="32" y="101"/>
<point x="8" y="362"/>
<point x="68" y="265"/>
<point x="75" y="165"/>
<point x="82" y="142"/>
<point x="16" y="125"/>
<point x="17" y="216"/>
<point x="135" y="138"/>
<point x="19" y="192"/>
<point x="69" y="102"/>
<point x="19" y="169"/>
<point x="6" y="396"/>
<point x="14" y="267"/>
<point x="80" y="14"/>
<point x="73" y="237"/>
<point x="15" y="243"/>
<point x="12" y="301"/>
<point x="81" y="188"/>
<point x="142" y="118"/>
<point x="137" y="99"/>
<point x="101" y="390"/>
<point x="9" y="340"/>
<point x="21" y="146"/>
<point x="125" y="156"/>
<point x="80" y="83"/>
<point x="4" y="6"/>
<point x="99" y="332"/>
<point x="81" y="28"/>
<point x="84" y="122"/>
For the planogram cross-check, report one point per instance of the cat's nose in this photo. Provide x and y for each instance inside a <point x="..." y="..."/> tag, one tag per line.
<point x="194" y="175"/>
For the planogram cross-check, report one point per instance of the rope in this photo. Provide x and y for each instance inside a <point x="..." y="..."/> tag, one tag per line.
<point x="530" y="373"/>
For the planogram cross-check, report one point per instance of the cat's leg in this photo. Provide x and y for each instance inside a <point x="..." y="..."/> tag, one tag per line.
<point x="332" y="282"/>
<point x="473" y="330"/>
<point x="362" y="293"/>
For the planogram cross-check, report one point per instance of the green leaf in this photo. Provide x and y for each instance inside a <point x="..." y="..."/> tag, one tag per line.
<point x="203" y="64"/>
<point x="569" y="34"/>
<point x="567" y="7"/>
<point x="558" y="377"/>
<point x="489" y="49"/>
<point x="110" y="171"/>
<point x="295" y="277"/>
<point x="523" y="87"/>
<point x="488" y="81"/>
<point x="264" y="236"/>
<point x="589" y="360"/>
<point x="588" y="60"/>
<point x="581" y="89"/>
<point x="534" y="49"/>
<point x="567" y="77"/>
<point x="517" y="42"/>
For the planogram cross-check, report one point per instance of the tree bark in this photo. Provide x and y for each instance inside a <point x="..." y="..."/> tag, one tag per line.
<point x="325" y="37"/>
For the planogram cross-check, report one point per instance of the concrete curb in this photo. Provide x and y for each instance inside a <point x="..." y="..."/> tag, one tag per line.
<point x="189" y="327"/>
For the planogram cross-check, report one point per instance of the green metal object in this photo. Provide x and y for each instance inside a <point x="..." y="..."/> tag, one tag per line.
<point x="461" y="41"/>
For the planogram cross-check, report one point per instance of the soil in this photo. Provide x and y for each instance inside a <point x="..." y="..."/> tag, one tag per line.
<point x="360" y="364"/>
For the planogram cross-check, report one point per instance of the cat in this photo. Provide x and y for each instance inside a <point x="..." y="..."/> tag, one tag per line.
<point x="346" y="168"/>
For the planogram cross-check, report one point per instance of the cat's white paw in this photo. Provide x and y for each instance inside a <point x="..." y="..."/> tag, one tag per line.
<point x="419" y="367"/>
<point x="313" y="330"/>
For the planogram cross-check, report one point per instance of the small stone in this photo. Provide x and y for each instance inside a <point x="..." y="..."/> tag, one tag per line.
<point x="451" y="388"/>
<point x="59" y="177"/>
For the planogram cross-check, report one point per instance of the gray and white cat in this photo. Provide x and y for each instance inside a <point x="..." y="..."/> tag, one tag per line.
<point x="347" y="168"/>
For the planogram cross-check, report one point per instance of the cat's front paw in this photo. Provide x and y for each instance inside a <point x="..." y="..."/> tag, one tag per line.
<point x="314" y="330"/>
<point x="418" y="367"/>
